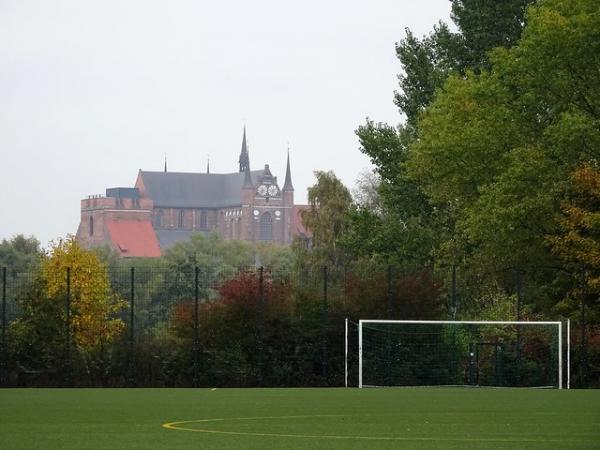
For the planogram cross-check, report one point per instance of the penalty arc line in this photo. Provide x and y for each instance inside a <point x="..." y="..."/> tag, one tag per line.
<point x="176" y="426"/>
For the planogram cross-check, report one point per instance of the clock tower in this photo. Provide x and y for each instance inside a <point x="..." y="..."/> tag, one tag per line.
<point x="267" y="210"/>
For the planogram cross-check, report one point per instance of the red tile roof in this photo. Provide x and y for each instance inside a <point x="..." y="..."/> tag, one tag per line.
<point x="133" y="238"/>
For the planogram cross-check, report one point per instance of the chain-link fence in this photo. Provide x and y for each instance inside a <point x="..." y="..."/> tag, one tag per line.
<point x="210" y="326"/>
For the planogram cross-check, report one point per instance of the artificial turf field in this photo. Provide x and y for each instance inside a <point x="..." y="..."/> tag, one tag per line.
<point x="404" y="418"/>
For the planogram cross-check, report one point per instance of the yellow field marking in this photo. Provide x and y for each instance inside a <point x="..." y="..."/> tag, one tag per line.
<point x="176" y="426"/>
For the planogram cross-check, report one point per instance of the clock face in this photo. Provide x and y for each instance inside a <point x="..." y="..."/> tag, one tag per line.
<point x="262" y="190"/>
<point x="273" y="191"/>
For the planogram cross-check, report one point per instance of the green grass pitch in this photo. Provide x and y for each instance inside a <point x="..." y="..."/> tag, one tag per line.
<point x="404" y="418"/>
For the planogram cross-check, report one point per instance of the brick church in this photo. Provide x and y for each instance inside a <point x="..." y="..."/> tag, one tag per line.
<point x="164" y="208"/>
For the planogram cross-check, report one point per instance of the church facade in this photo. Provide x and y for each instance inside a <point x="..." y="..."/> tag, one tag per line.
<point x="164" y="208"/>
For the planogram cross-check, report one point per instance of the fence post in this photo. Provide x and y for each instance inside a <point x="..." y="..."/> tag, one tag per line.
<point x="3" y="352"/>
<point x="519" y="307"/>
<point x="583" y="343"/>
<point x="346" y="352"/>
<point x="67" y="367"/>
<point x="131" y="364"/>
<point x="390" y="300"/>
<point x="454" y="307"/>
<point x="196" y="348"/>
<point x="259" y="325"/>
<point x="388" y="340"/>
<point x="324" y="327"/>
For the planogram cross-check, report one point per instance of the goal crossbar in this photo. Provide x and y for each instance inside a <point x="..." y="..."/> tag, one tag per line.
<point x="558" y="324"/>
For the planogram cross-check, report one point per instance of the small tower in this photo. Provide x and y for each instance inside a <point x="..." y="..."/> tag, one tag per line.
<point x="244" y="158"/>
<point x="287" y="197"/>
<point x="287" y="185"/>
<point x="247" y="221"/>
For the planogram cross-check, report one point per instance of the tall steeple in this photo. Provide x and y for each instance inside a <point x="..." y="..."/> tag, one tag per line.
<point x="244" y="158"/>
<point x="247" y="179"/>
<point x="287" y="185"/>
<point x="208" y="164"/>
<point x="165" y="162"/>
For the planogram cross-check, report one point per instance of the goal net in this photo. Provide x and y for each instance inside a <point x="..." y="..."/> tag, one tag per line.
<point x="459" y="353"/>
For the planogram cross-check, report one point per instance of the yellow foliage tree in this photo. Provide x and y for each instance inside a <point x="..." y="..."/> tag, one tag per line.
<point x="93" y="304"/>
<point x="579" y="243"/>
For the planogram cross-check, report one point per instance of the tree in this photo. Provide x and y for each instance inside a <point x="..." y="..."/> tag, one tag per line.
<point x="399" y="227"/>
<point x="487" y="24"/>
<point x="366" y="191"/>
<point x="426" y="65"/>
<point x="38" y="336"/>
<point x="482" y="26"/>
<point x="578" y="242"/>
<point x="498" y="146"/>
<point x="93" y="303"/>
<point x="327" y="218"/>
<point x="20" y="254"/>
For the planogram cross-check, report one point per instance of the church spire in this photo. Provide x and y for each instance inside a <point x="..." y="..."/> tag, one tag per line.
<point x="208" y="164"/>
<point x="248" y="179"/>
<point x="287" y="185"/>
<point x="165" y="162"/>
<point x="244" y="158"/>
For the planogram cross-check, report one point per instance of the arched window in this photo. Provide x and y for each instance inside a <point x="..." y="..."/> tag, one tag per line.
<point x="266" y="227"/>
<point x="180" y="218"/>
<point x="158" y="219"/>
<point x="91" y="226"/>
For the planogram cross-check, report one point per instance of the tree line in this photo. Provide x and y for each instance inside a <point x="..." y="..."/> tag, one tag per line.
<point x="202" y="315"/>
<point x="491" y="178"/>
<point x="484" y="199"/>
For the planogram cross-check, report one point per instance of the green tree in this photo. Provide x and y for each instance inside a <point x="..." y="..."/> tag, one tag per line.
<point x="20" y="254"/>
<point x="482" y="25"/>
<point x="497" y="148"/>
<point x="327" y="218"/>
<point x="426" y="65"/>
<point x="402" y="216"/>
<point x="487" y="24"/>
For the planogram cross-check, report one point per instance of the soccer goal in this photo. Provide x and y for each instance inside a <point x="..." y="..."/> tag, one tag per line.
<point x="460" y="353"/>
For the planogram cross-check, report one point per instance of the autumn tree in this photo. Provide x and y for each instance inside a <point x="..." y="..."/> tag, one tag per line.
<point x="578" y="242"/>
<point x="93" y="303"/>
<point x="39" y="335"/>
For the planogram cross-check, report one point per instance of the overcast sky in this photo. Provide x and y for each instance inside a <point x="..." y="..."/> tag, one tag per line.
<point x="93" y="91"/>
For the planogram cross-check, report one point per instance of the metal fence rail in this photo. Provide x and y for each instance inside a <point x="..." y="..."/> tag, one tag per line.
<point x="207" y="326"/>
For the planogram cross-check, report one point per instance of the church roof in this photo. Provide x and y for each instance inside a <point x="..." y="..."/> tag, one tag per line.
<point x="133" y="238"/>
<point x="196" y="190"/>
<point x="168" y="238"/>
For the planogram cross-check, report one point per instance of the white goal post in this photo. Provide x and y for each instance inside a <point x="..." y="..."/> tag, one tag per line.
<point x="454" y="352"/>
